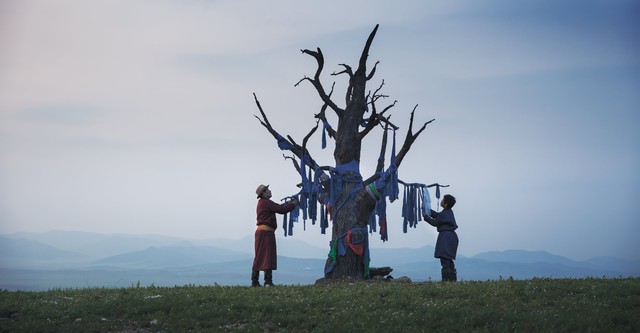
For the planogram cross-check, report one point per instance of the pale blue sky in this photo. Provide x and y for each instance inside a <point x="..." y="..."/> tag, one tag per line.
<point x="137" y="116"/>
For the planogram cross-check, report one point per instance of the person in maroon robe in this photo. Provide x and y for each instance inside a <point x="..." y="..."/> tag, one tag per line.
<point x="265" y="238"/>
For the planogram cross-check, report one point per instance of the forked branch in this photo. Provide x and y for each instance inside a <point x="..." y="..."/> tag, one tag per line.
<point x="316" y="81"/>
<point x="410" y="138"/>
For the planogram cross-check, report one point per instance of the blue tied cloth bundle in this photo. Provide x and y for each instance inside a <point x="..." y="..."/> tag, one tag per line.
<point x="347" y="172"/>
<point x="357" y="240"/>
<point x="312" y="204"/>
<point x="310" y="190"/>
<point x="412" y="205"/>
<point x="325" y="128"/>
<point x="386" y="186"/>
<point x="308" y="198"/>
<point x="290" y="218"/>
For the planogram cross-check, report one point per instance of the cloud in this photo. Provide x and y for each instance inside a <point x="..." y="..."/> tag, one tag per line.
<point x="138" y="116"/>
<point x="63" y="114"/>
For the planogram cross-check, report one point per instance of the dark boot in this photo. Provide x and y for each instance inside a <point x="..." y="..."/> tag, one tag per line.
<point x="449" y="275"/>
<point x="268" y="278"/>
<point x="445" y="274"/>
<point x="453" y="275"/>
<point x="255" y="276"/>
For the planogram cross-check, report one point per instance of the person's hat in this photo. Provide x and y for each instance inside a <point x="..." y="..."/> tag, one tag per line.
<point x="261" y="189"/>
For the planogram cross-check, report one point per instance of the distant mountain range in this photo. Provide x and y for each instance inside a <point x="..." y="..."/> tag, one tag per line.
<point x="67" y="259"/>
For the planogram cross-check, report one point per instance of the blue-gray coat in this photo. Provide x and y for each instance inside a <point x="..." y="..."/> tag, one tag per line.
<point x="447" y="243"/>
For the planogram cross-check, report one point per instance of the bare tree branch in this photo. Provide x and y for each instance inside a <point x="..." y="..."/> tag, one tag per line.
<point x="365" y="51"/>
<point x="306" y="138"/>
<point x="371" y="123"/>
<point x="377" y="119"/>
<point x="265" y="121"/>
<point x="347" y="69"/>
<point x="296" y="165"/>
<point x="316" y="81"/>
<point x="383" y="150"/>
<point x="303" y="79"/>
<point x="323" y="117"/>
<point x="410" y="138"/>
<point x="373" y="71"/>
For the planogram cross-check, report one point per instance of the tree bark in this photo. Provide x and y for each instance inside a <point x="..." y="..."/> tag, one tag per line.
<point x="353" y="215"/>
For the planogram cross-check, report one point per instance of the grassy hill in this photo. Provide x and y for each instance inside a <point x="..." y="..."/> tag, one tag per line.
<point x="537" y="305"/>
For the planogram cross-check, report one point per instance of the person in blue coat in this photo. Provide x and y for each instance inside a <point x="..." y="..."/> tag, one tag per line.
<point x="447" y="243"/>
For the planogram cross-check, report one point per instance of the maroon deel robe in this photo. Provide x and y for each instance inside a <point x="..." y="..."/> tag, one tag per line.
<point x="266" y="257"/>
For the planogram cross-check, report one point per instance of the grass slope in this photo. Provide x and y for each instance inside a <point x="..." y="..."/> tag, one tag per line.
<point x="537" y="305"/>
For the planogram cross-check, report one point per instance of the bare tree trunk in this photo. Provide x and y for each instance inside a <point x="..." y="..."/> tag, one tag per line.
<point x="353" y="216"/>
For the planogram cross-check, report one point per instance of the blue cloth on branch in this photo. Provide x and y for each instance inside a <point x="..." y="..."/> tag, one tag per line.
<point x="412" y="205"/>
<point x="392" y="183"/>
<point x="283" y="143"/>
<point x="325" y="128"/>
<point x="426" y="202"/>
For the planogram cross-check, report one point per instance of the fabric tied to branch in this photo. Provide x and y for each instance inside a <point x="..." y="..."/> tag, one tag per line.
<point x="426" y="202"/>
<point x="381" y="210"/>
<point x="412" y="205"/>
<point x="289" y="218"/>
<point x="324" y="219"/>
<point x="347" y="172"/>
<point x="305" y="192"/>
<point x="309" y="193"/>
<point x="283" y="143"/>
<point x="392" y="183"/>
<point x="355" y="239"/>
<point x="325" y="128"/>
<point x="385" y="186"/>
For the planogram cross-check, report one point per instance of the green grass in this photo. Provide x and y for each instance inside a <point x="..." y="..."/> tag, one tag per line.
<point x="537" y="305"/>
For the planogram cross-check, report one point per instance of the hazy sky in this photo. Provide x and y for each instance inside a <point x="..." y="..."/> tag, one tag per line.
<point x="138" y="117"/>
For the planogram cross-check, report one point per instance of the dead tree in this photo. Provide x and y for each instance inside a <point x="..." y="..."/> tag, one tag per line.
<point x="340" y="189"/>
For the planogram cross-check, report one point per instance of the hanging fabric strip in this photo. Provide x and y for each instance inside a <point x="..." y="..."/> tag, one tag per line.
<point x="419" y="205"/>
<point x="324" y="222"/>
<point x="293" y="216"/>
<point x="284" y="224"/>
<point x="405" y="214"/>
<point x="304" y="192"/>
<point x="325" y="127"/>
<point x="392" y="184"/>
<point x="413" y="205"/>
<point x="426" y="203"/>
<point x="290" y="231"/>
<point x="372" y="222"/>
<point x="381" y="210"/>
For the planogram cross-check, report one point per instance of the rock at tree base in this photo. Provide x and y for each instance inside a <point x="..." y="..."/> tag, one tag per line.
<point x="380" y="271"/>
<point x="377" y="274"/>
